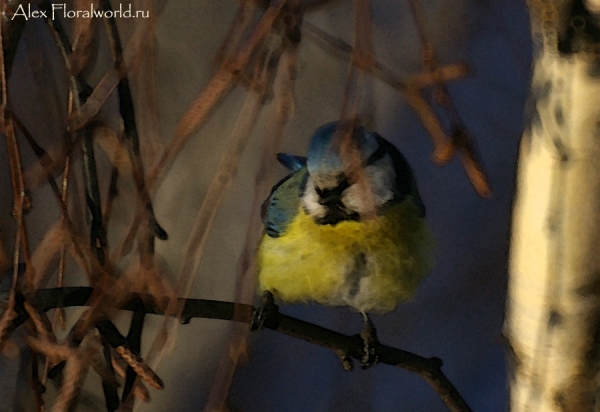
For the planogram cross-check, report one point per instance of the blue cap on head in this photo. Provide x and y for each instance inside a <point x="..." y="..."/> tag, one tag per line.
<point x="323" y="159"/>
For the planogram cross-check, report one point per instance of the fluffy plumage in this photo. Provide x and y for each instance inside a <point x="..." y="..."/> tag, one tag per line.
<point x="319" y="246"/>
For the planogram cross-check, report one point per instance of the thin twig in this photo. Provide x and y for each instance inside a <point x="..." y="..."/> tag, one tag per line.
<point x="94" y="270"/>
<point x="74" y="374"/>
<point x="217" y="87"/>
<point x="408" y="88"/>
<point x="128" y="353"/>
<point x="360" y="63"/>
<point x="109" y="82"/>
<point x="139" y="367"/>
<point x="40" y="153"/>
<point x="237" y="28"/>
<point x="92" y="194"/>
<point x="131" y="137"/>
<point x="460" y="137"/>
<point x="79" y="248"/>
<point x="59" y="313"/>
<point x="134" y="338"/>
<point x="36" y="385"/>
<point x="280" y="112"/>
<point x="144" y="78"/>
<point x="152" y="228"/>
<point x="42" y="325"/>
<point x="83" y="36"/>
<point x="19" y="197"/>
<point x="195" y="244"/>
<point x="110" y="391"/>
<point x="11" y="33"/>
<point x="86" y="103"/>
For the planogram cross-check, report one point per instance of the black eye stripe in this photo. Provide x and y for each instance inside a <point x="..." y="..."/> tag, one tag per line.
<point x="377" y="155"/>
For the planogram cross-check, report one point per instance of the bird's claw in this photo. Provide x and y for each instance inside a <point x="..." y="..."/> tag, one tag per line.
<point x="370" y="343"/>
<point x="345" y="359"/>
<point x="263" y="311"/>
<point x="370" y="357"/>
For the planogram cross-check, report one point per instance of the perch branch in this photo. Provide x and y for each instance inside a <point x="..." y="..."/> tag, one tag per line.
<point x="428" y="368"/>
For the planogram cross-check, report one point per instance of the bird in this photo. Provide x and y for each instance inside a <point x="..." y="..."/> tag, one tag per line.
<point x="343" y="237"/>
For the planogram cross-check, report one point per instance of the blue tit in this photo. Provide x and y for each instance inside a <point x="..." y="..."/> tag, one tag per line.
<point x="321" y="245"/>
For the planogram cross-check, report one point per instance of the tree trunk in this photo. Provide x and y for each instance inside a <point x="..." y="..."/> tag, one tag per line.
<point x="553" y="307"/>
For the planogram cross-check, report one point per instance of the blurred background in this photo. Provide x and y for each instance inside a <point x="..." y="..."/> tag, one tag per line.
<point x="457" y="313"/>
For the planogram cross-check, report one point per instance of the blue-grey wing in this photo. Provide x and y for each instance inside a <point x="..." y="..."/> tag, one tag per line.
<point x="293" y="163"/>
<point x="282" y="205"/>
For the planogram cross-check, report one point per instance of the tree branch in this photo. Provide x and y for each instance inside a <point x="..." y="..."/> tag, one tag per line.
<point x="428" y="368"/>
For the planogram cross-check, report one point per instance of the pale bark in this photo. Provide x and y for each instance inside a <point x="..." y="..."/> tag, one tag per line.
<point x="553" y="309"/>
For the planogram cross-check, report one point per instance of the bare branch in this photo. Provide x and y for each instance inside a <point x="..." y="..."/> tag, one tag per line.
<point x="428" y="368"/>
<point x="217" y="87"/>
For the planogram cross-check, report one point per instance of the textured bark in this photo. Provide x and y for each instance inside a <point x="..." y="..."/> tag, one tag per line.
<point x="553" y="318"/>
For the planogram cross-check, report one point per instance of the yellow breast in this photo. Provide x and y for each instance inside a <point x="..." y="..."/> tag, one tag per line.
<point x="316" y="262"/>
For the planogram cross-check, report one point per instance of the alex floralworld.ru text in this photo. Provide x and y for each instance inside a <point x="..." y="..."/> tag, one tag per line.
<point x="61" y="11"/>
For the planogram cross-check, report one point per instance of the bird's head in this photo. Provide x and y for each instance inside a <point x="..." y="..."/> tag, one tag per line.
<point x="333" y="191"/>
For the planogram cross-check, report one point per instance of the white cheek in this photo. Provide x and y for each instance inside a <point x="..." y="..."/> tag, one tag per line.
<point x="354" y="200"/>
<point x="310" y="201"/>
<point x="381" y="178"/>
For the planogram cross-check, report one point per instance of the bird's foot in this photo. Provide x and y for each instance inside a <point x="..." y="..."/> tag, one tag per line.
<point x="370" y="343"/>
<point x="264" y="310"/>
<point x="345" y="359"/>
